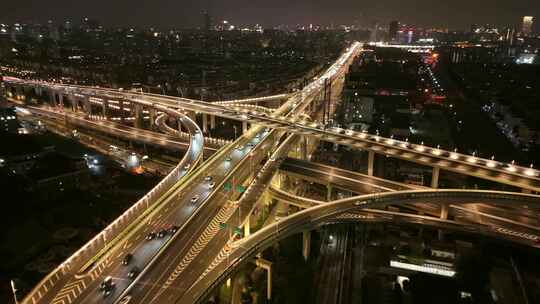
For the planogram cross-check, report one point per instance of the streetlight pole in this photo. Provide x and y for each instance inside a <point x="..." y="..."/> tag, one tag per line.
<point x="14" y="290"/>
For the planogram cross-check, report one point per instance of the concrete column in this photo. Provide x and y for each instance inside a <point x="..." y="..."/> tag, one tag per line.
<point x="444" y="211"/>
<point x="247" y="227"/>
<point x="76" y="105"/>
<point x="52" y="97"/>
<point x="60" y="100"/>
<point x="73" y="102"/>
<point x="137" y="113"/>
<point x="304" y="147"/>
<point x="435" y="178"/>
<point x="27" y="97"/>
<point x="328" y="192"/>
<point x="371" y="160"/>
<point x="86" y="105"/>
<point x="18" y="91"/>
<point x="205" y="123"/>
<point x="152" y="114"/>
<point x="212" y="122"/>
<point x="244" y="127"/>
<point x="121" y="109"/>
<point x="105" y="108"/>
<point x="266" y="265"/>
<point x="306" y="244"/>
<point x="444" y="216"/>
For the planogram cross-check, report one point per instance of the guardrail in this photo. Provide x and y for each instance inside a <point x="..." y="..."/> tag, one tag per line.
<point x="210" y="141"/>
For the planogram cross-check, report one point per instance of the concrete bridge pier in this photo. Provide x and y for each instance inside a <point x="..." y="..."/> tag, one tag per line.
<point x="18" y="91"/>
<point x="328" y="192"/>
<point x="152" y="116"/>
<point x="105" y="108"/>
<point x="245" y="127"/>
<point x="60" y="100"/>
<point x="212" y="122"/>
<point x="247" y="226"/>
<point x="435" y="177"/>
<point x="371" y="161"/>
<point x="87" y="107"/>
<point x="306" y="244"/>
<point x="205" y="123"/>
<point x="121" y="109"/>
<point x="137" y="113"/>
<point x="27" y="95"/>
<point x="304" y="147"/>
<point x="53" y="98"/>
<point x="266" y="265"/>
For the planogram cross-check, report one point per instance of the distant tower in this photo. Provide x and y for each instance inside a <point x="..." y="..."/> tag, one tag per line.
<point x="207" y="22"/>
<point x="509" y="36"/>
<point x="393" y="30"/>
<point x="373" y="37"/>
<point x="526" y="28"/>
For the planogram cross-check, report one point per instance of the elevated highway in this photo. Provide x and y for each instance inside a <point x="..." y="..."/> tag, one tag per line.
<point x="437" y="158"/>
<point x="173" y="267"/>
<point x="523" y="217"/>
<point x="348" y="209"/>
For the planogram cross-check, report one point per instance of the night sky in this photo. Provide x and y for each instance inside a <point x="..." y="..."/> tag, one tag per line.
<point x="456" y="14"/>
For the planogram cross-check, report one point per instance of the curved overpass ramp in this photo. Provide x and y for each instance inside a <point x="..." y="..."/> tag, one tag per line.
<point x="90" y="259"/>
<point x="244" y="249"/>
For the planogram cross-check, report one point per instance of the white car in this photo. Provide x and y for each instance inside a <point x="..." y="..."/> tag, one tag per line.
<point x="195" y="199"/>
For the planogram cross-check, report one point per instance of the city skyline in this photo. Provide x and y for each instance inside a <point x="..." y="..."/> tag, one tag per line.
<point x="456" y="16"/>
<point x="270" y="152"/>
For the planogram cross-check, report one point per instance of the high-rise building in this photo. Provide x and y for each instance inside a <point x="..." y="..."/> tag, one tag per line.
<point x="393" y="30"/>
<point x="207" y="22"/>
<point x="526" y="28"/>
<point x="509" y="36"/>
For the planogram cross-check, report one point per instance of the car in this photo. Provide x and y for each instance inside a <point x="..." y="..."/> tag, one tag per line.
<point x="212" y="185"/>
<point x="208" y="178"/>
<point x="186" y="167"/>
<point x="195" y="199"/>
<point x="250" y="145"/>
<point x="107" y="292"/>
<point x="127" y="259"/>
<point x="106" y="284"/>
<point x="133" y="272"/>
<point x="239" y="147"/>
<point x="228" y="159"/>
<point x="197" y="131"/>
<point x="151" y="236"/>
<point x="173" y="229"/>
<point x="162" y="233"/>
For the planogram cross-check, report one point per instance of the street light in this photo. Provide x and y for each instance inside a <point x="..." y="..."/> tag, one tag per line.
<point x="14" y="290"/>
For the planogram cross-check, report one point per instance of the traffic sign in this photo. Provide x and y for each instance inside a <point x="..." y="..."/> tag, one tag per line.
<point x="238" y="230"/>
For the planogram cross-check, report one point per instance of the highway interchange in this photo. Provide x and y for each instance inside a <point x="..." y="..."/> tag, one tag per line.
<point x="180" y="267"/>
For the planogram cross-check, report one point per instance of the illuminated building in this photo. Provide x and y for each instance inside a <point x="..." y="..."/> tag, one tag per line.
<point x="526" y="28"/>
